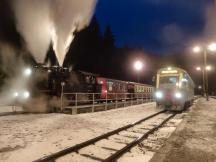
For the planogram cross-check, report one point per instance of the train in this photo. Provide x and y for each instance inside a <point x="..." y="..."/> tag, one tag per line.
<point x="51" y="82"/>
<point x="174" y="89"/>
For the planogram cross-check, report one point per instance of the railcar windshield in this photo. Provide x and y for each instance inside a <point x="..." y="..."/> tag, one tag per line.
<point x="168" y="81"/>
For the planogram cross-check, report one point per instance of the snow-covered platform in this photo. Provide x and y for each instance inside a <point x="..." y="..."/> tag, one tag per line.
<point x="195" y="138"/>
<point x="27" y="137"/>
<point x="7" y="110"/>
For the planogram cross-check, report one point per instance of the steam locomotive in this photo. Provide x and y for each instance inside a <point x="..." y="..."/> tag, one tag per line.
<point x="48" y="83"/>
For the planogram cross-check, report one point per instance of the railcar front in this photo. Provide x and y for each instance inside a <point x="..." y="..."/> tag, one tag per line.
<point x="174" y="88"/>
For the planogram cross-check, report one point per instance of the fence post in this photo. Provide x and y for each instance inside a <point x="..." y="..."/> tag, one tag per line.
<point x="150" y="98"/>
<point x="146" y="97"/>
<point x="74" y="110"/>
<point x="142" y="98"/>
<point x="137" y="98"/>
<point x="116" y="105"/>
<point x="93" y="100"/>
<point x="106" y="102"/>
<point x="62" y="99"/>
<point x="131" y="98"/>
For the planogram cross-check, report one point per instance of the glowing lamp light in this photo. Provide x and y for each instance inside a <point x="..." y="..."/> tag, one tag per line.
<point x="208" y="68"/>
<point x="169" y="68"/>
<point x="212" y="47"/>
<point x="198" y="68"/>
<point x="138" y="65"/>
<point x="26" y="94"/>
<point x="27" y="72"/>
<point x="159" y="95"/>
<point x="196" y="49"/>
<point x="16" y="94"/>
<point x="178" y="95"/>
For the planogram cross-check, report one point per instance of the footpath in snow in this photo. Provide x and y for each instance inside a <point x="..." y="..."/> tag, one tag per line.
<point x="27" y="137"/>
<point x="195" y="138"/>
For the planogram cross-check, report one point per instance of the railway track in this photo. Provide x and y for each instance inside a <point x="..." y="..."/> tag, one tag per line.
<point x="134" y="133"/>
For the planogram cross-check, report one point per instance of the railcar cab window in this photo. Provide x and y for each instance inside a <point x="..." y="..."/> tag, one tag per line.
<point x="168" y="80"/>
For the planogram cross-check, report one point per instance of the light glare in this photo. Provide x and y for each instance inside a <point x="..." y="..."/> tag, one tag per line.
<point x="212" y="47"/>
<point x="159" y="95"/>
<point x="178" y="95"/>
<point x="26" y="94"/>
<point x="138" y="65"/>
<point x="208" y="68"/>
<point x="169" y="68"/>
<point x="27" y="72"/>
<point x="16" y="94"/>
<point x="198" y="68"/>
<point x="196" y="49"/>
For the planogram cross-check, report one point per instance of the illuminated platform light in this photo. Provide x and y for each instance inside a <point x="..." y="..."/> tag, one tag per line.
<point x="138" y="65"/>
<point x="196" y="49"/>
<point x="208" y="68"/>
<point x="198" y="68"/>
<point x="212" y="47"/>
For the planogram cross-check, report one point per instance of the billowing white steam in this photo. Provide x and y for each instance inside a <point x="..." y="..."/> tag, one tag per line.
<point x="43" y="21"/>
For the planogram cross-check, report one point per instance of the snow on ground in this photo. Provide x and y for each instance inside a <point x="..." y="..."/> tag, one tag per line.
<point x="147" y="148"/>
<point x="195" y="138"/>
<point x="10" y="109"/>
<point x="27" y="137"/>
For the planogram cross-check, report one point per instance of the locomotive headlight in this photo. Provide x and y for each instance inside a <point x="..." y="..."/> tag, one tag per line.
<point x="159" y="95"/>
<point x="27" y="72"/>
<point x="15" y="94"/>
<point x="178" y="95"/>
<point x="26" y="94"/>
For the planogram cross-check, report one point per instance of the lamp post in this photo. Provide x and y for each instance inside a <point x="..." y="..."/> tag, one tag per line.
<point x="138" y="65"/>
<point x="205" y="49"/>
<point x="205" y="81"/>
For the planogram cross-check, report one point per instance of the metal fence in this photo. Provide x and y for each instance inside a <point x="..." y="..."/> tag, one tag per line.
<point x="95" y="102"/>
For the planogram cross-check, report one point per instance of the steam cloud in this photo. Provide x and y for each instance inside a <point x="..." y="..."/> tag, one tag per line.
<point x="43" y="21"/>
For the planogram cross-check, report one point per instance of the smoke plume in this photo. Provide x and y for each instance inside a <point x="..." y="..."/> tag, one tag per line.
<point x="43" y="21"/>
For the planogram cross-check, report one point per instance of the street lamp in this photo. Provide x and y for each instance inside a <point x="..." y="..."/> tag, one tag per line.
<point x="138" y="65"/>
<point x="198" y="68"/>
<point x="208" y="68"/>
<point x="205" y="49"/>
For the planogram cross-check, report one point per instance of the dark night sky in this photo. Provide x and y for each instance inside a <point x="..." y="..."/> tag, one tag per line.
<point x="159" y="26"/>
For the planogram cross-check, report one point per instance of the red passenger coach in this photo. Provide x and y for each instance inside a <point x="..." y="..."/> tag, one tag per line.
<point x="109" y="88"/>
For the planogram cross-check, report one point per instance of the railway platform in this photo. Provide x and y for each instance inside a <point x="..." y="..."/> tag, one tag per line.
<point x="194" y="139"/>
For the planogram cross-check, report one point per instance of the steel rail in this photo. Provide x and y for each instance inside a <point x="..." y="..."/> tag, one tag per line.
<point x="114" y="157"/>
<point x="77" y="147"/>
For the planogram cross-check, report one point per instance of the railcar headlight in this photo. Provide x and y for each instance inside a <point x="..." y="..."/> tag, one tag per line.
<point x="178" y="95"/>
<point x="159" y="95"/>
<point x="26" y="94"/>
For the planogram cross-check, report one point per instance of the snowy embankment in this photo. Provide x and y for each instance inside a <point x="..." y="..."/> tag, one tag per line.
<point x="27" y="137"/>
